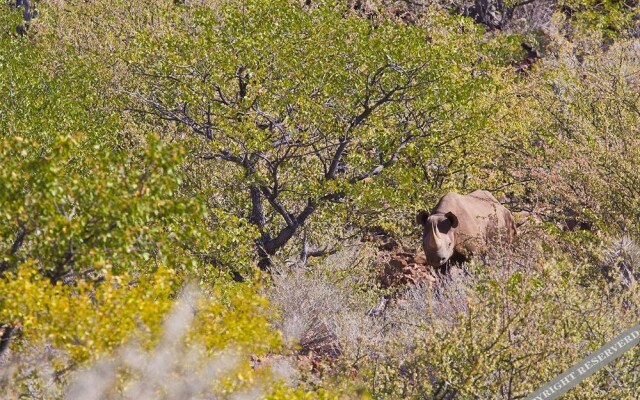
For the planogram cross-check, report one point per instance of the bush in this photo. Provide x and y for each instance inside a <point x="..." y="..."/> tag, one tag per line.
<point x="498" y="328"/>
<point x="129" y="338"/>
<point x="590" y="149"/>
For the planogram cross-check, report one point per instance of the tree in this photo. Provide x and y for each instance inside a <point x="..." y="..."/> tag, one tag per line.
<point x="289" y="110"/>
<point x="78" y="200"/>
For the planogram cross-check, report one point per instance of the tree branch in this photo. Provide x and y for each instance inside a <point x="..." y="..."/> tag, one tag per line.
<point x="224" y="155"/>
<point x="17" y="244"/>
<point x="272" y="199"/>
<point x="386" y="164"/>
<point x="271" y="246"/>
<point x="257" y="212"/>
<point x="337" y="157"/>
<point x="6" y="338"/>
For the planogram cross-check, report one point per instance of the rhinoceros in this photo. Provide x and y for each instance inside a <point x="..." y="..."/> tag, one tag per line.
<point x="461" y="226"/>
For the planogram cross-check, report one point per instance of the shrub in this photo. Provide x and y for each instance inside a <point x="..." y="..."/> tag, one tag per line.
<point x="497" y="328"/>
<point x="129" y="338"/>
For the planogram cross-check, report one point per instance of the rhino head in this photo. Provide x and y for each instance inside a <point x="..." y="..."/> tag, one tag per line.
<point x="438" y="240"/>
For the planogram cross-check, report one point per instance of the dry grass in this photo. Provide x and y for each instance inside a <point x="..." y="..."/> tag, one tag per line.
<point x="492" y="328"/>
<point x="318" y="306"/>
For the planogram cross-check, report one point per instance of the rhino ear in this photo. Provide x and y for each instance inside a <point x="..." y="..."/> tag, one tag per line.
<point x="421" y="218"/>
<point x="452" y="218"/>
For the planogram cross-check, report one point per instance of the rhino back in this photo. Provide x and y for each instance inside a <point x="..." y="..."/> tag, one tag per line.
<point x="481" y="218"/>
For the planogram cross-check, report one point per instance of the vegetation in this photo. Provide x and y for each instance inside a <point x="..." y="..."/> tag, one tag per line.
<point x="198" y="198"/>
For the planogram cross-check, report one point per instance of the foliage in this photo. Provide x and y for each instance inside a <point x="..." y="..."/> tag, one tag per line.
<point x="80" y="320"/>
<point x="91" y="325"/>
<point x="284" y="136"/>
<point x="516" y="330"/>
<point x="150" y="146"/>
<point x="76" y="196"/>
<point x="588" y="138"/>
<point x="499" y="329"/>
<point x="611" y="18"/>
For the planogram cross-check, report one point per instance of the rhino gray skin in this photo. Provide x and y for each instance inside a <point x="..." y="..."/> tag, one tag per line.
<point x="461" y="226"/>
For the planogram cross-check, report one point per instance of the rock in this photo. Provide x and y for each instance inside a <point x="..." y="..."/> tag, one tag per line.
<point x="389" y="245"/>
<point x="398" y="263"/>
<point x="402" y="268"/>
<point x="409" y="250"/>
<point x="420" y="258"/>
